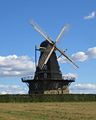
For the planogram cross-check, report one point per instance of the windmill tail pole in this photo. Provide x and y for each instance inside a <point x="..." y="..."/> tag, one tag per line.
<point x="35" y="56"/>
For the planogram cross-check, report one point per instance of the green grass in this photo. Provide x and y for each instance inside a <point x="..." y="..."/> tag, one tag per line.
<point x="47" y="98"/>
<point x="48" y="111"/>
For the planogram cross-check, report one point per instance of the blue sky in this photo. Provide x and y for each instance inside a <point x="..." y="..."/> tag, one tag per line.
<point x="17" y="40"/>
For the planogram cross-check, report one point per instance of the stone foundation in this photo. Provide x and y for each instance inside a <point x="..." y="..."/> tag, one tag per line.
<point x="58" y="91"/>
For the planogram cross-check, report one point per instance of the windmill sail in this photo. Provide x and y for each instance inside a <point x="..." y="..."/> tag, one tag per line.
<point x="52" y="45"/>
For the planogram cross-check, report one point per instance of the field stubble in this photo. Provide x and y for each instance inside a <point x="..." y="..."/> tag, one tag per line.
<point x="48" y="111"/>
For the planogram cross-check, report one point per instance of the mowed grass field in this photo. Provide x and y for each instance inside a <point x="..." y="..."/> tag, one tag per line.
<point x="48" y="111"/>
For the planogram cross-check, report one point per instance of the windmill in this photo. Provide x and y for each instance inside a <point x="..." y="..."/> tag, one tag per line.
<point x="48" y="75"/>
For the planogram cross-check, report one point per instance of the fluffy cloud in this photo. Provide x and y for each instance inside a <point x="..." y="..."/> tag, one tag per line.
<point x="83" y="88"/>
<point x="81" y="56"/>
<point x="79" y="88"/>
<point x="70" y="76"/>
<point x="62" y="59"/>
<point x="13" y="65"/>
<point x="91" y="52"/>
<point x="90" y="16"/>
<point x="12" y="89"/>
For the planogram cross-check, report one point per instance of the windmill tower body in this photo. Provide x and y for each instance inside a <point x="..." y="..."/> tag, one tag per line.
<point x="51" y="70"/>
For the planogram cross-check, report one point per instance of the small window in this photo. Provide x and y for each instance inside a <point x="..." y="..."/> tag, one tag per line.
<point x="45" y="75"/>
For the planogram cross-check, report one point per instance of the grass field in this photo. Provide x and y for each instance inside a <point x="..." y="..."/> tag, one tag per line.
<point x="48" y="111"/>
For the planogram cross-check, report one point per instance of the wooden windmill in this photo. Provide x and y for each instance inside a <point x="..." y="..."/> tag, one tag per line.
<point x="48" y="76"/>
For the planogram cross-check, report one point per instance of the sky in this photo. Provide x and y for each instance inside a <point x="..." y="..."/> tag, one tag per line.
<point x="18" y="40"/>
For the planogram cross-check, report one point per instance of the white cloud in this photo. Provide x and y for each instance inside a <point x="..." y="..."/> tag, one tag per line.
<point x="81" y="56"/>
<point x="62" y="59"/>
<point x="90" y="16"/>
<point x="91" y="52"/>
<point x="87" y="88"/>
<point x="12" y="89"/>
<point x="78" y="88"/>
<point x="13" y="65"/>
<point x="70" y="76"/>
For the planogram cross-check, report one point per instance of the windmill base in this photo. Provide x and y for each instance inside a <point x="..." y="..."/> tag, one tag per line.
<point x="48" y="86"/>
